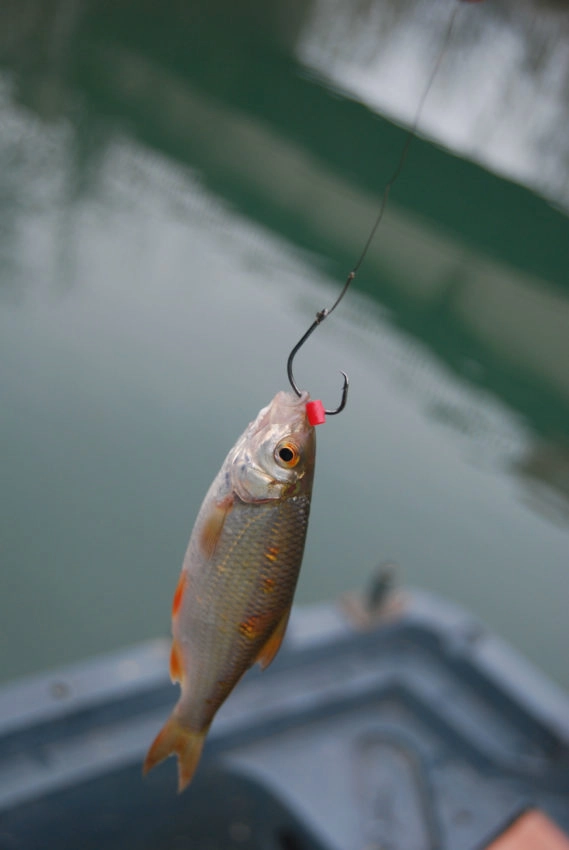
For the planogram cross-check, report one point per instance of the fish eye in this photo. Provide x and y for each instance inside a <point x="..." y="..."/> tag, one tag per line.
<point x="287" y="454"/>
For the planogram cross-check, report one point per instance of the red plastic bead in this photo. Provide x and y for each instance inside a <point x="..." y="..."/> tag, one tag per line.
<point x="315" y="412"/>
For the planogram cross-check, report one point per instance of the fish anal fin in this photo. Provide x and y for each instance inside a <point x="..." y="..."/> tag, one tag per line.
<point x="178" y="740"/>
<point x="272" y="646"/>
<point x="176" y="663"/>
<point x="212" y="527"/>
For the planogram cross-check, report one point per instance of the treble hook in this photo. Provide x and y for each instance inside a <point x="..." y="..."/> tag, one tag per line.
<point x="320" y="316"/>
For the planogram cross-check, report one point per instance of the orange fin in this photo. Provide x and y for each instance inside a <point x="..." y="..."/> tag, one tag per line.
<point x="213" y="526"/>
<point x="176" y="663"/>
<point x="273" y="644"/>
<point x="179" y="593"/>
<point x="175" y="739"/>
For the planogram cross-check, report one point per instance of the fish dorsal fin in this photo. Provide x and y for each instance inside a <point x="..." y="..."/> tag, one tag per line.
<point x="272" y="646"/>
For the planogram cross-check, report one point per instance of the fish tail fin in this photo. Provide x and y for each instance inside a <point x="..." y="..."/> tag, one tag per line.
<point x="175" y="739"/>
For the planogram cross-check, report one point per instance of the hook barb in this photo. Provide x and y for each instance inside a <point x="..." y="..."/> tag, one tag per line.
<point x="320" y="316"/>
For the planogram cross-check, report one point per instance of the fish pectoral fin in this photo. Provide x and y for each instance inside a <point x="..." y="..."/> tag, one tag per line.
<point x="178" y="740"/>
<point x="211" y="529"/>
<point x="272" y="646"/>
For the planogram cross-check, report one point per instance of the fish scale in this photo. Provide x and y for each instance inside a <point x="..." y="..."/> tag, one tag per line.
<point x="241" y="580"/>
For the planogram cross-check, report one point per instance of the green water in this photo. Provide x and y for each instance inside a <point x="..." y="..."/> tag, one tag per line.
<point x="179" y="194"/>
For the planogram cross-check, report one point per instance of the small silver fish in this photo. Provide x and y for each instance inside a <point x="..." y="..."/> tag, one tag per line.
<point x="233" y="600"/>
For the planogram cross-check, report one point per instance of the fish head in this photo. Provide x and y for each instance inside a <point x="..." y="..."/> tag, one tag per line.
<point x="274" y="459"/>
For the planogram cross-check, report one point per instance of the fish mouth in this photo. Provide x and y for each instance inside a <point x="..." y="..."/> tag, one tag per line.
<point x="285" y="408"/>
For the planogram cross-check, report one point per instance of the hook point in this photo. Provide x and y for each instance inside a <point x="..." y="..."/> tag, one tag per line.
<point x="344" y="396"/>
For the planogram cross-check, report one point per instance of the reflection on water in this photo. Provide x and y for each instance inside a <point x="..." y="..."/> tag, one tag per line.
<point x="501" y="94"/>
<point x="169" y="223"/>
<point x="546" y="468"/>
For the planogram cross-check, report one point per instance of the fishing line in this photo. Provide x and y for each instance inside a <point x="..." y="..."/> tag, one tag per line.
<point x="410" y="136"/>
<point x="315" y="409"/>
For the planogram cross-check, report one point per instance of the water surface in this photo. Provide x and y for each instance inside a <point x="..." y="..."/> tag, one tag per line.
<point x="170" y="221"/>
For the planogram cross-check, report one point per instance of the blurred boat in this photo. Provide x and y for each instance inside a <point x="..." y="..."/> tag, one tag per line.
<point x="387" y="721"/>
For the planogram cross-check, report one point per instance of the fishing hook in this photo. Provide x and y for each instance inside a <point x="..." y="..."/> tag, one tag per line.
<point x="320" y="316"/>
